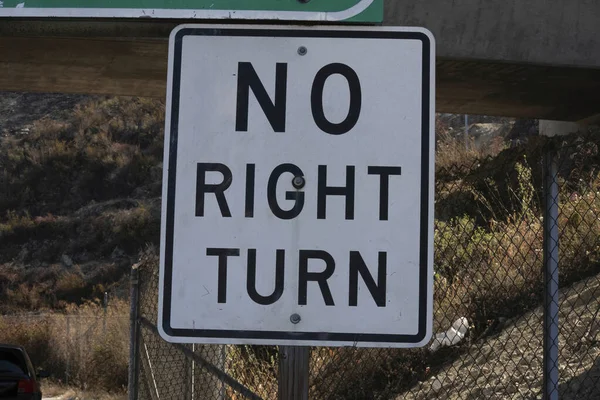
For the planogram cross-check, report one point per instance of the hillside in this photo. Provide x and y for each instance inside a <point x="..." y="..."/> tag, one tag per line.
<point x="80" y="196"/>
<point x="81" y="184"/>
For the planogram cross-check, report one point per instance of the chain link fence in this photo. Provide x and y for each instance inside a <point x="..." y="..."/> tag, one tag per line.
<point x="505" y="217"/>
<point x="187" y="371"/>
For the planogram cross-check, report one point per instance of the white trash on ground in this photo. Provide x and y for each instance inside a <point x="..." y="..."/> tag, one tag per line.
<point x="452" y="336"/>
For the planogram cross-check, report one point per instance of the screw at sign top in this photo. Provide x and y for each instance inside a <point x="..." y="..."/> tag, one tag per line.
<point x="302" y="50"/>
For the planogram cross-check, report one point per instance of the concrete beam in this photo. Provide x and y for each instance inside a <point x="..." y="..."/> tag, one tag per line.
<point x="128" y="67"/>
<point x="473" y="76"/>
<point x="557" y="32"/>
<point x="560" y="32"/>
<point x="558" y="128"/>
<point x="590" y="120"/>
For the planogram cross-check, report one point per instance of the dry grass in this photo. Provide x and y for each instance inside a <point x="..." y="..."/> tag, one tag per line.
<point x="108" y="149"/>
<point x="452" y="152"/>
<point x="80" y="348"/>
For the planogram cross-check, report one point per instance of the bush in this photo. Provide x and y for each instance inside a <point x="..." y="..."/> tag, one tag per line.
<point x="106" y="150"/>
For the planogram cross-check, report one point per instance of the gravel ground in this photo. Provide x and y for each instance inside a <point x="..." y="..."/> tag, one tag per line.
<point x="78" y="395"/>
<point x="509" y="364"/>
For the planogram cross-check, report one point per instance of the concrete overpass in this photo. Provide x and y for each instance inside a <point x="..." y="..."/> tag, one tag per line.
<point x="528" y="59"/>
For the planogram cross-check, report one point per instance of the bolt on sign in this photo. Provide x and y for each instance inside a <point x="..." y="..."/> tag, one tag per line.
<point x="300" y="10"/>
<point x="298" y="186"/>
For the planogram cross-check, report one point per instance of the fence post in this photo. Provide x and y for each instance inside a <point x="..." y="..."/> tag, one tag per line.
<point x="188" y="377"/>
<point x="105" y="307"/>
<point x="132" y="384"/>
<point x="293" y="372"/>
<point x="466" y="132"/>
<point x="68" y="350"/>
<point x="550" y="387"/>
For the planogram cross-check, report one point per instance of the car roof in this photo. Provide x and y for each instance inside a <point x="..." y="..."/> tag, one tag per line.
<point x="11" y="347"/>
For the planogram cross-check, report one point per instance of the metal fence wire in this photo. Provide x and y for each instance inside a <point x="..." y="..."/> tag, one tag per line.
<point x="504" y="219"/>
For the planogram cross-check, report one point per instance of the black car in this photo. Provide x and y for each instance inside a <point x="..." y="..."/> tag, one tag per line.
<point x="18" y="379"/>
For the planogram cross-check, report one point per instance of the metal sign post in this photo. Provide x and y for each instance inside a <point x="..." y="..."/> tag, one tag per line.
<point x="293" y="372"/>
<point x="551" y="300"/>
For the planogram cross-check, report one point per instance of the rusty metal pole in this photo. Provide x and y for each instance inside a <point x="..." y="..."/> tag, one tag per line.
<point x="551" y="327"/>
<point x="293" y="372"/>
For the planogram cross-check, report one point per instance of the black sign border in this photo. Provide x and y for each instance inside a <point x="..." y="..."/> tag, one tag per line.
<point x="425" y="170"/>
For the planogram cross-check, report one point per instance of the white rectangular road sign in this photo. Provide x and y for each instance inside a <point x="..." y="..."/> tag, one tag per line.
<point x="298" y="186"/>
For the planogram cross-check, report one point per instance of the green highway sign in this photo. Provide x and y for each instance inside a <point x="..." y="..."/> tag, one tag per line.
<point x="290" y="10"/>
